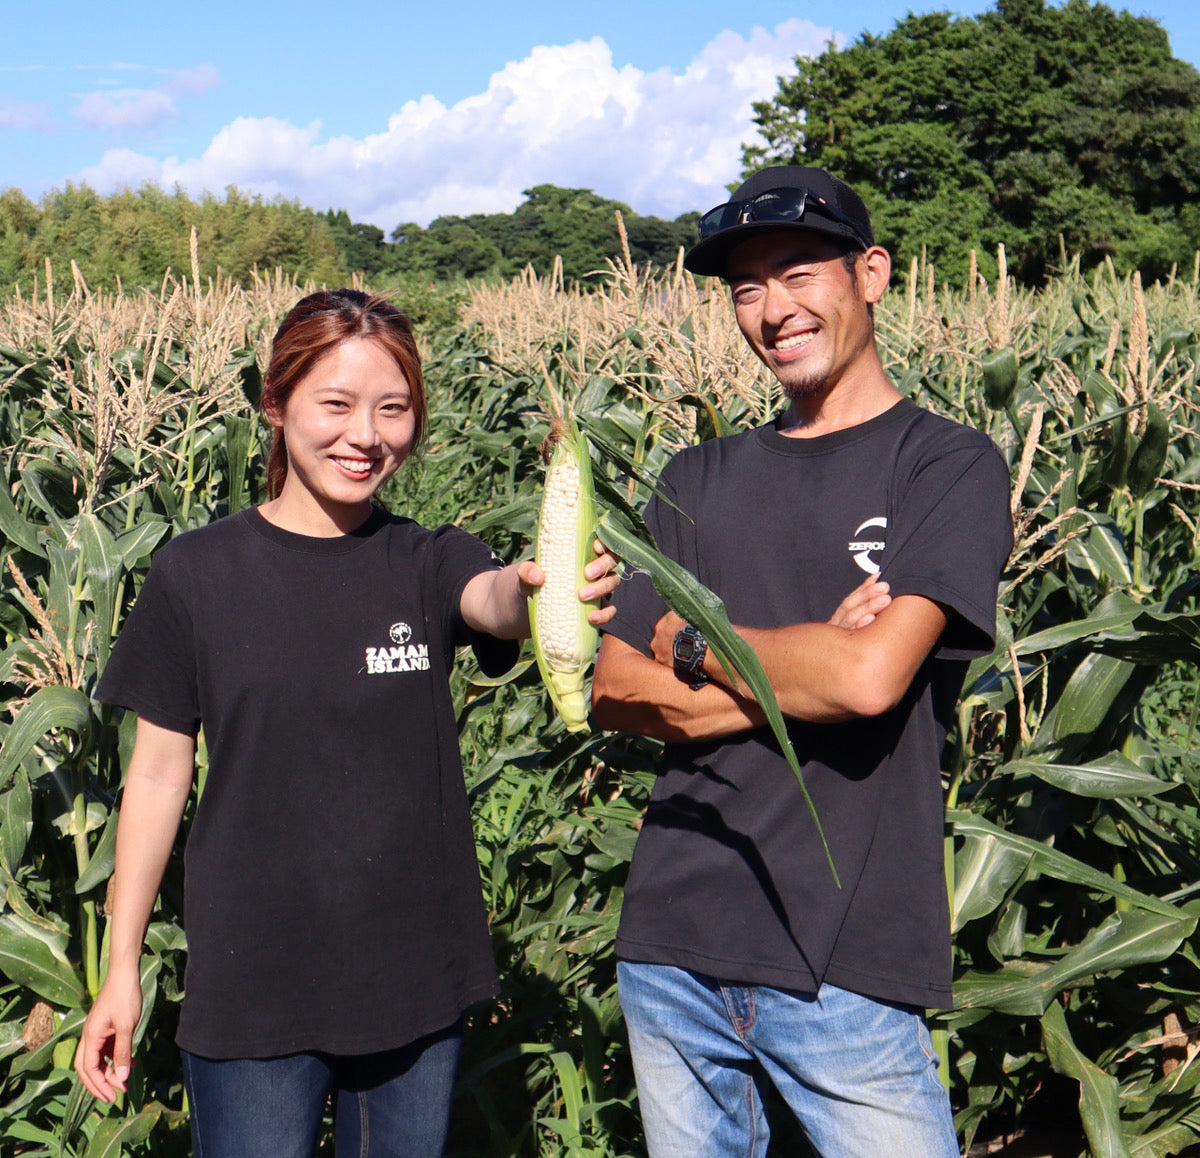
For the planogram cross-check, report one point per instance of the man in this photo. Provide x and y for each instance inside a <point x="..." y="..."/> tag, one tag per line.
<point x="741" y="960"/>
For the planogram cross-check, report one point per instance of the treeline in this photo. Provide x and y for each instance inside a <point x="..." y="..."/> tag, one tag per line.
<point x="133" y="238"/>
<point x="574" y="224"/>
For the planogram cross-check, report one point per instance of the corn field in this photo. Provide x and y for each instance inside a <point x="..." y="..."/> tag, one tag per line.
<point x="1072" y="788"/>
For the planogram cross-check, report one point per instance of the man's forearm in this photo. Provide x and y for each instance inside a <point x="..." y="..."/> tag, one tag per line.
<point x="823" y="673"/>
<point x="827" y="674"/>
<point x="634" y="693"/>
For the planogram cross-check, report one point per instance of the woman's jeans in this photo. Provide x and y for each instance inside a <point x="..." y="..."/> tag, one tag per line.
<point x="860" y="1075"/>
<point x="394" y="1104"/>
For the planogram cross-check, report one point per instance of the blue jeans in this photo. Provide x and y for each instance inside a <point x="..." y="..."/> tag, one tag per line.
<point x="394" y="1104"/>
<point x="860" y="1075"/>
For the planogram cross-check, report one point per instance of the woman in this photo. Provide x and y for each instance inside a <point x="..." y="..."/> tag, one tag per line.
<point x="335" y="926"/>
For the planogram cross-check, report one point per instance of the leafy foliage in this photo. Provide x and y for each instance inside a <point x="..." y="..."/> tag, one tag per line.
<point x="132" y="238"/>
<point x="125" y="420"/>
<point x="1026" y="125"/>
<point x="574" y="226"/>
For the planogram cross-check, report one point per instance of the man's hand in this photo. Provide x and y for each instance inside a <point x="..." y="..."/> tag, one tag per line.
<point x="862" y="605"/>
<point x="857" y="610"/>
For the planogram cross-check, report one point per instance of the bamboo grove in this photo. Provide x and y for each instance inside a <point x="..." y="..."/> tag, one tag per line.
<point x="1072" y="789"/>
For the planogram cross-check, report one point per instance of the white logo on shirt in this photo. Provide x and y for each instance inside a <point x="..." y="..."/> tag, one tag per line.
<point x="400" y="655"/>
<point x="861" y="548"/>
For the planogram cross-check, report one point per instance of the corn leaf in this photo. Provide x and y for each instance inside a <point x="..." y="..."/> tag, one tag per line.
<point x="16" y="821"/>
<point x="13" y="526"/>
<point x="1099" y="1096"/>
<point x="29" y="959"/>
<point x="1125" y="939"/>
<point x="1049" y="860"/>
<point x="103" y="562"/>
<point x="79" y="1105"/>
<point x="1107" y="778"/>
<point x="114" y="1136"/>
<point x="239" y="438"/>
<point x="689" y="598"/>
<point x="1089" y="693"/>
<point x="53" y="707"/>
<point x="984" y="871"/>
<point x="102" y="860"/>
<point x="1161" y="637"/>
<point x="1063" y="634"/>
<point x="138" y="542"/>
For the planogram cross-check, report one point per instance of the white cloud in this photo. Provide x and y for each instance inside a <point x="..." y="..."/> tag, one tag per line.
<point x="664" y="142"/>
<point x="25" y="115"/>
<point x="142" y="108"/>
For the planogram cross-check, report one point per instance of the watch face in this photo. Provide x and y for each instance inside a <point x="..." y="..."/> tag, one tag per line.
<point x="685" y="648"/>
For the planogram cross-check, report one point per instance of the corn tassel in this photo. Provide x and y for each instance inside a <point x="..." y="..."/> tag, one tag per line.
<point x="563" y="639"/>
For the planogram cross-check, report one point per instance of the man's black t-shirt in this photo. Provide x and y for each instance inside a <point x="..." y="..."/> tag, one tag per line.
<point x="729" y="877"/>
<point x="332" y="888"/>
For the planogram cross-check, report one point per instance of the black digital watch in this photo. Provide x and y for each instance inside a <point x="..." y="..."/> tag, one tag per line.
<point x="688" y="652"/>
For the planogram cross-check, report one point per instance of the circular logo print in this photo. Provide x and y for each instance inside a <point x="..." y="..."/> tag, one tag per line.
<point x="861" y="548"/>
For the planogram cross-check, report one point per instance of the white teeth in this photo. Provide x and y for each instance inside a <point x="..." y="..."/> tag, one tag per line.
<point x="794" y="343"/>
<point x="354" y="464"/>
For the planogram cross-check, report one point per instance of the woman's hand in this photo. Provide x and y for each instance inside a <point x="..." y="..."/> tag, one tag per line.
<point x="496" y="601"/>
<point x="158" y="782"/>
<point x="603" y="579"/>
<point x="105" y="1055"/>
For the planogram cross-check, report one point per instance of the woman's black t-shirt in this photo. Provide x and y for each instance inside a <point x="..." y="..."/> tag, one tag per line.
<point x="332" y="890"/>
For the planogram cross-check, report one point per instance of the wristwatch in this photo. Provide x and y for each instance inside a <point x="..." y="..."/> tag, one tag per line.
<point x="689" y="651"/>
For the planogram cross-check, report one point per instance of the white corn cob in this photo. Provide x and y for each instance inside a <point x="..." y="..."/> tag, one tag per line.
<point x="563" y="639"/>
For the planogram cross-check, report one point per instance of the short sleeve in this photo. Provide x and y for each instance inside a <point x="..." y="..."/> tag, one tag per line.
<point x="152" y="668"/>
<point x="949" y="537"/>
<point x="458" y="558"/>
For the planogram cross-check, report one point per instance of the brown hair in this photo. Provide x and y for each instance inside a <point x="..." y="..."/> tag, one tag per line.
<point x="313" y="327"/>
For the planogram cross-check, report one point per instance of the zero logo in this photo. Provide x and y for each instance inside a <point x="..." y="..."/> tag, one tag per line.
<point x="862" y="547"/>
<point x="400" y="632"/>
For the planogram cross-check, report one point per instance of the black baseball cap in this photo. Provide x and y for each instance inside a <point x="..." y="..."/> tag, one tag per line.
<point x="782" y="197"/>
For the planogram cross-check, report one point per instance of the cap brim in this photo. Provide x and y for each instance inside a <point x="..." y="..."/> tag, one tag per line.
<point x="710" y="257"/>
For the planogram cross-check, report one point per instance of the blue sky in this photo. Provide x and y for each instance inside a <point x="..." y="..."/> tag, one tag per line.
<point x="401" y="111"/>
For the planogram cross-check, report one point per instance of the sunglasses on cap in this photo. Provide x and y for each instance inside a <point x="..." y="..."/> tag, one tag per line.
<point x="786" y="205"/>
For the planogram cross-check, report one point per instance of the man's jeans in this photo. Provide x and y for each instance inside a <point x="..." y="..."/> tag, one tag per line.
<point x="394" y="1104"/>
<point x="860" y="1075"/>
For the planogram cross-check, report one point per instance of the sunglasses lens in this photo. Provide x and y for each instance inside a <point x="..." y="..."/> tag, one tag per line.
<point x="722" y="217"/>
<point x="779" y="205"/>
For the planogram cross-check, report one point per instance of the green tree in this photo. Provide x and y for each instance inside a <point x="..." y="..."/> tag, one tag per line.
<point x="575" y="224"/>
<point x="654" y="240"/>
<point x="136" y="237"/>
<point x="1022" y="125"/>
<point x="19" y="219"/>
<point x="360" y="248"/>
<point x="450" y="249"/>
